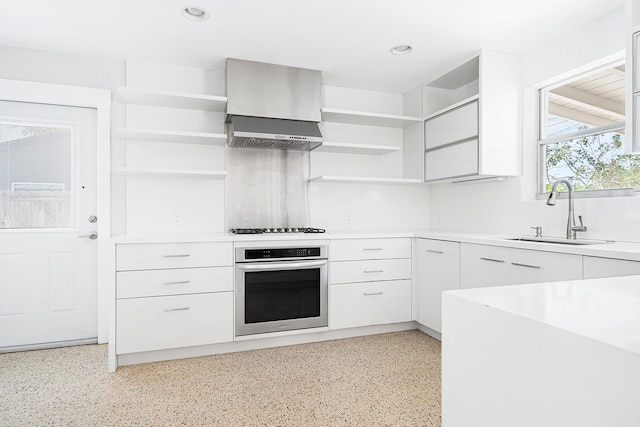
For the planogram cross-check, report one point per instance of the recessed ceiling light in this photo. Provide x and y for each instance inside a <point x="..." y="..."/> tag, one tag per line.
<point x="402" y="49"/>
<point x="195" y="13"/>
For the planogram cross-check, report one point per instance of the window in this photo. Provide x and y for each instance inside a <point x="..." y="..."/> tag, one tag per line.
<point x="582" y="134"/>
<point x="36" y="169"/>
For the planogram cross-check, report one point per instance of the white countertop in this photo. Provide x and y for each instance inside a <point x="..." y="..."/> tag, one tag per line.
<point x="606" y="310"/>
<point x="619" y="250"/>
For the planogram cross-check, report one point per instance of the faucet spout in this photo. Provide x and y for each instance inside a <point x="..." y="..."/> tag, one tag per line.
<point x="572" y="229"/>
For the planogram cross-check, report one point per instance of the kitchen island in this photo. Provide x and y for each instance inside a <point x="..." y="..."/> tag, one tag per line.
<point x="546" y="354"/>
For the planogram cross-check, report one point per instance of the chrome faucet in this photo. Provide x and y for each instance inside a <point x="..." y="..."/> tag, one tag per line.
<point x="572" y="228"/>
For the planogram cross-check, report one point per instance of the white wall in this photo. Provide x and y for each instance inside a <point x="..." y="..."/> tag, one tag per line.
<point x="49" y="67"/>
<point x="510" y="206"/>
<point x="369" y="206"/>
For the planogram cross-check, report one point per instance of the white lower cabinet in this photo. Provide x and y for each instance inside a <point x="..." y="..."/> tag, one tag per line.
<point x="157" y="323"/>
<point x="363" y="249"/>
<point x="372" y="303"/>
<point x="483" y="265"/>
<point x="148" y="283"/>
<point x="528" y="266"/>
<point x="370" y="270"/>
<point x="596" y="267"/>
<point x="437" y="270"/>
<point x="370" y="282"/>
<point x="173" y="295"/>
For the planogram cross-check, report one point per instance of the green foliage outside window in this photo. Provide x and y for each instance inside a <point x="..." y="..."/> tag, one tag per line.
<point x="596" y="162"/>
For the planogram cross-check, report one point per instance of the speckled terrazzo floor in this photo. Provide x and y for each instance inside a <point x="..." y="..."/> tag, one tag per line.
<point x="380" y="380"/>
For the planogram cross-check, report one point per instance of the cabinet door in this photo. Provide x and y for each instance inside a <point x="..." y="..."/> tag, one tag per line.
<point x="528" y="266"/>
<point x="437" y="270"/>
<point x="373" y="303"/>
<point x="595" y="267"/>
<point x="452" y="161"/>
<point x="452" y="126"/>
<point x="482" y="266"/>
<point x="157" y="323"/>
<point x="370" y="270"/>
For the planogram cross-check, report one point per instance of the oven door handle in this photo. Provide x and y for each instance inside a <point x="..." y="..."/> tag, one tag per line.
<point x="280" y="265"/>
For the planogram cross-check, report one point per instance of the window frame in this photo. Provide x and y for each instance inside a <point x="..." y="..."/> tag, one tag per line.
<point x="542" y="140"/>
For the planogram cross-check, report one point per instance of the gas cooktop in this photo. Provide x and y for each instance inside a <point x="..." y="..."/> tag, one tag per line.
<point x="275" y="230"/>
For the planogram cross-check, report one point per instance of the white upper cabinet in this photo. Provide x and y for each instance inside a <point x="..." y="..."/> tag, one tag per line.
<point x="472" y="116"/>
<point x="457" y="124"/>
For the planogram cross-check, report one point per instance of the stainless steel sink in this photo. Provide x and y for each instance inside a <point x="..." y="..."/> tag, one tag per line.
<point x="561" y="241"/>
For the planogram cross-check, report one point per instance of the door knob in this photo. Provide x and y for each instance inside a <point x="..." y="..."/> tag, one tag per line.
<point x="92" y="235"/>
<point x="93" y="219"/>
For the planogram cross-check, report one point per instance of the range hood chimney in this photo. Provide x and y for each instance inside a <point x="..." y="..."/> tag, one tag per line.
<point x="272" y="106"/>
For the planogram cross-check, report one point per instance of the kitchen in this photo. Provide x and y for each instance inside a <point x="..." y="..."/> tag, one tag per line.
<point x="142" y="203"/>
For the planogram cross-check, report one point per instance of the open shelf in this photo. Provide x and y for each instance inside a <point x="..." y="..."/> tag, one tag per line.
<point x="367" y="118"/>
<point x="157" y="98"/>
<point x="354" y="148"/>
<point x="366" y="180"/>
<point x="173" y="136"/>
<point x="191" y="173"/>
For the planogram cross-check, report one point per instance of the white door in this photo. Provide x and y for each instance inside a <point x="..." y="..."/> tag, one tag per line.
<point x="48" y="270"/>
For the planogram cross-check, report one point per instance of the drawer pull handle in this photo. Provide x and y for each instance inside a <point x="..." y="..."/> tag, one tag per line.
<point x="177" y="256"/>
<point x="435" y="252"/>
<point x="491" y="259"/>
<point x="372" y="249"/>
<point x="184" y="282"/>
<point x="525" y="265"/>
<point x="374" y="271"/>
<point x="167" y="310"/>
<point x="368" y="294"/>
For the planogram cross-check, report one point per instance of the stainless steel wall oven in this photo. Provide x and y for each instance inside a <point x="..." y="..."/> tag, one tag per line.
<point x="281" y="288"/>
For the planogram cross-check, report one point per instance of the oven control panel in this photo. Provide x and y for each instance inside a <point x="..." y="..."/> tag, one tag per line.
<point x="277" y="253"/>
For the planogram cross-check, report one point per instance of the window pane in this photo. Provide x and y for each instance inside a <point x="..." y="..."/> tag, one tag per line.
<point x="597" y="99"/>
<point x="35" y="176"/>
<point x="596" y="162"/>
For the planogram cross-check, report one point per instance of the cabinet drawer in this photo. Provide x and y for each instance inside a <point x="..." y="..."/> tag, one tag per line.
<point x="594" y="267"/>
<point x="494" y="266"/>
<point x="359" y="249"/>
<point x="133" y="284"/>
<point x="482" y="266"/>
<point x="455" y="125"/>
<point x="452" y="161"/>
<point x="537" y="266"/>
<point x="146" y="324"/>
<point x="142" y="256"/>
<point x="362" y="304"/>
<point x="370" y="270"/>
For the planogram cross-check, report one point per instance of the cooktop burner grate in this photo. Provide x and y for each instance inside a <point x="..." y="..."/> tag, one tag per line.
<point x="276" y="230"/>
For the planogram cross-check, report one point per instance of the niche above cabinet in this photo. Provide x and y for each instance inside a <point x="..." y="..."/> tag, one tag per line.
<point x="367" y="136"/>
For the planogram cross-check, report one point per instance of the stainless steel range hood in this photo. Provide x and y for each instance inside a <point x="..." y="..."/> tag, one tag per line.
<point x="272" y="106"/>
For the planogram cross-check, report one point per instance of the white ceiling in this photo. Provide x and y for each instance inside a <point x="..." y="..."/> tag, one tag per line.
<point x="348" y="40"/>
